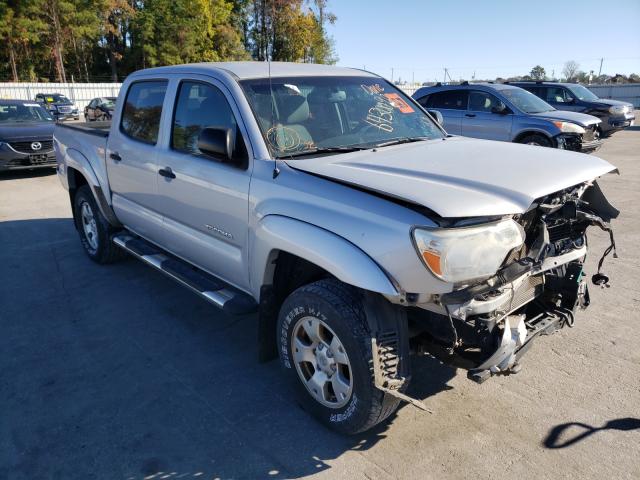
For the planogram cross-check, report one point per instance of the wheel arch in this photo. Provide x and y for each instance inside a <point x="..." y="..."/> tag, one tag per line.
<point x="79" y="172"/>
<point x="289" y="253"/>
<point x="525" y="133"/>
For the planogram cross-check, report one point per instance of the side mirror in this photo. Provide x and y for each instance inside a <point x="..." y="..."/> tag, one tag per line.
<point x="437" y="115"/>
<point x="216" y="142"/>
<point x="568" y="99"/>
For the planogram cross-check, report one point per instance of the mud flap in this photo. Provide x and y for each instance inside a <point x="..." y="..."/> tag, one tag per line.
<point x="390" y="348"/>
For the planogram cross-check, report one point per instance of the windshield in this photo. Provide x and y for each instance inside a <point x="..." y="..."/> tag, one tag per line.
<point x="526" y="101"/>
<point x="23" y="112"/>
<point x="316" y="114"/>
<point x="582" y="93"/>
<point x="109" y="102"/>
<point x="55" y="98"/>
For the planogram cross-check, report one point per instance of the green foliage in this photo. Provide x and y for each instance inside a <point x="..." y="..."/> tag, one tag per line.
<point x="99" y="40"/>
<point x="538" y="73"/>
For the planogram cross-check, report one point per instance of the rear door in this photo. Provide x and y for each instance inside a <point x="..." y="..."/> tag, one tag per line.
<point x="451" y="104"/>
<point x="131" y="158"/>
<point x="482" y="120"/>
<point x="205" y="200"/>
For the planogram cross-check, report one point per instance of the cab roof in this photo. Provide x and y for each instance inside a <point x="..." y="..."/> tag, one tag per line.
<point x="247" y="70"/>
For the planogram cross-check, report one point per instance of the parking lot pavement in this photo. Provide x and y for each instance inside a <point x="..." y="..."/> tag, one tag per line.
<point x="117" y="373"/>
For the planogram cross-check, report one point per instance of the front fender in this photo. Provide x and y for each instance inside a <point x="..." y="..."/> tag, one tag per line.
<point x="339" y="257"/>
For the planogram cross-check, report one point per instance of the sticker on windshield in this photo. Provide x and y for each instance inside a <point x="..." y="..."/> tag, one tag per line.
<point x="399" y="103"/>
<point x="379" y="116"/>
<point x="30" y="105"/>
<point x="50" y="99"/>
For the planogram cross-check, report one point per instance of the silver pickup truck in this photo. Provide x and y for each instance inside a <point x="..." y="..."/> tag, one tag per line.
<point x="332" y="204"/>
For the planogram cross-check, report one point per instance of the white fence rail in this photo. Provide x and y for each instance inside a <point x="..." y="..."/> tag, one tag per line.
<point x="79" y="93"/>
<point x="82" y="93"/>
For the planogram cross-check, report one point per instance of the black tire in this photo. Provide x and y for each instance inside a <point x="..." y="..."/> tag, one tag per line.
<point x="103" y="250"/>
<point x="536" y="139"/>
<point x="341" y="307"/>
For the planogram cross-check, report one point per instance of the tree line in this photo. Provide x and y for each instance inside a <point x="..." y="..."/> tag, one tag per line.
<point x="99" y="40"/>
<point x="571" y="72"/>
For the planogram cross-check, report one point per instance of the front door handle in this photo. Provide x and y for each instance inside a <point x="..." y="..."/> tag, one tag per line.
<point x="167" y="172"/>
<point x="114" y="156"/>
<point x="471" y="115"/>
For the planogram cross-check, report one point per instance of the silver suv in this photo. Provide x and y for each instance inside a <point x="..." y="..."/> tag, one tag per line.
<point x="332" y="204"/>
<point x="510" y="114"/>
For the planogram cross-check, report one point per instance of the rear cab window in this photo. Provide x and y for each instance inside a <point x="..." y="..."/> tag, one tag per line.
<point x="143" y="109"/>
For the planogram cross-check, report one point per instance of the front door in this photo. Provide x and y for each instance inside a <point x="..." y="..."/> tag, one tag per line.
<point x="131" y="158"/>
<point x="562" y="99"/>
<point x="204" y="200"/>
<point x="487" y="117"/>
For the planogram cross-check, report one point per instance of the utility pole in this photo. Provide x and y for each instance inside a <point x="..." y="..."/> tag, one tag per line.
<point x="413" y="78"/>
<point x="600" y="71"/>
<point x="444" y="80"/>
<point x="391" y="74"/>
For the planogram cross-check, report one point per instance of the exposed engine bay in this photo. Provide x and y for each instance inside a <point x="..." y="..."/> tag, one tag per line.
<point x="486" y="327"/>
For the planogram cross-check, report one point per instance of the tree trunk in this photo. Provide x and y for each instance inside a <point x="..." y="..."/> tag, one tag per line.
<point x="57" y="43"/>
<point x="111" y="45"/>
<point x="12" y="59"/>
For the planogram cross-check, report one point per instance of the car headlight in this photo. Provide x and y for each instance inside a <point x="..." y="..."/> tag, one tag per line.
<point x="618" y="109"/>
<point x="568" y="127"/>
<point x="467" y="253"/>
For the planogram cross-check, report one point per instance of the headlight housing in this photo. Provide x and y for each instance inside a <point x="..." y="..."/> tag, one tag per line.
<point x="618" y="109"/>
<point x="467" y="253"/>
<point x="568" y="127"/>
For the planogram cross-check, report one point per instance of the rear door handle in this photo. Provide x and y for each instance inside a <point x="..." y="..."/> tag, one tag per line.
<point x="470" y="115"/>
<point x="115" y="157"/>
<point x="167" y="172"/>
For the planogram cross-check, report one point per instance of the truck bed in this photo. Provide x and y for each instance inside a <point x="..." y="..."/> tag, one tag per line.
<point x="101" y="129"/>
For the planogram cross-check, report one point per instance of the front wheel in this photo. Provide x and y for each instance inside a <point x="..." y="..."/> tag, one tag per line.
<point x="325" y="345"/>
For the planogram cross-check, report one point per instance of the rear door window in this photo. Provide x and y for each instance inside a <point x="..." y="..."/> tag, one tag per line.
<point x="450" y="99"/>
<point x="143" y="109"/>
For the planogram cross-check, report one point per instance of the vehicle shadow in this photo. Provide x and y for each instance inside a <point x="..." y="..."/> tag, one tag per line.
<point x="117" y="372"/>
<point x="554" y="438"/>
<point x="20" y="174"/>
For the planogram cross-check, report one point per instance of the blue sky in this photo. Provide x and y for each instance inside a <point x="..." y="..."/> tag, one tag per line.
<point x="491" y="37"/>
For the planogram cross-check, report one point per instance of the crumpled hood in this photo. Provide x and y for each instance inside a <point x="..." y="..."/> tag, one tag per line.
<point x="14" y="132"/>
<point x="460" y="177"/>
<point x="581" y="119"/>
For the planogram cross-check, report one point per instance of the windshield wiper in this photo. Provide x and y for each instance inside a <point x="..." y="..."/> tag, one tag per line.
<point x="398" y="141"/>
<point x="320" y="150"/>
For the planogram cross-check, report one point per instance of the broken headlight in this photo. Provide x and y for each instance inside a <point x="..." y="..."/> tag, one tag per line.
<point x="467" y="253"/>
<point x="568" y="127"/>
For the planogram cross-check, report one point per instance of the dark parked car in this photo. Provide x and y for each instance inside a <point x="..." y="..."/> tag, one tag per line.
<point x="59" y="106"/>
<point x="26" y="136"/>
<point x="510" y="114"/>
<point x="615" y="115"/>
<point x="100" y="109"/>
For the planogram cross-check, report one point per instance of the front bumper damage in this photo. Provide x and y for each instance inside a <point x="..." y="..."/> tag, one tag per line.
<point x="487" y="327"/>
<point x="586" y="143"/>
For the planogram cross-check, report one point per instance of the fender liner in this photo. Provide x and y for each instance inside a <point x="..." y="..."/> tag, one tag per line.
<point x="75" y="160"/>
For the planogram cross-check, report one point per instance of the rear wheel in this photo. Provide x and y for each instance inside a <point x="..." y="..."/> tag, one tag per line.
<point x="325" y="344"/>
<point x="95" y="232"/>
<point x="536" y="139"/>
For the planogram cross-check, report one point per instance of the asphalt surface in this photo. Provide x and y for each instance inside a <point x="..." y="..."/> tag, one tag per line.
<point x="117" y="373"/>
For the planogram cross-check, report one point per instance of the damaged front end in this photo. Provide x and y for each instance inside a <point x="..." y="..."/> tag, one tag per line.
<point x="487" y="326"/>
